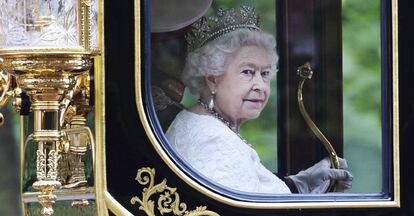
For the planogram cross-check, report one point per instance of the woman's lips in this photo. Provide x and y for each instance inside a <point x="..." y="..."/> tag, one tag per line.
<point x="257" y="102"/>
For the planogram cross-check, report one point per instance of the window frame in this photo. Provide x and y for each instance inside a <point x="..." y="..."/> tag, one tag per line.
<point x="204" y="187"/>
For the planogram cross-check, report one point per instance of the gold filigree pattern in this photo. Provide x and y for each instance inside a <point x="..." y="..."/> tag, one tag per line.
<point x="5" y="82"/>
<point x="168" y="201"/>
<point x="41" y="165"/>
<point x="52" y="164"/>
<point x="88" y="3"/>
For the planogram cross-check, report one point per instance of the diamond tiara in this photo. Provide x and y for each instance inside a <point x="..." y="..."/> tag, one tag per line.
<point x="211" y="28"/>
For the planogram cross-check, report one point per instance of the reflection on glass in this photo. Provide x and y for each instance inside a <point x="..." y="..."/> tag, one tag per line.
<point x="38" y="23"/>
<point x="362" y="93"/>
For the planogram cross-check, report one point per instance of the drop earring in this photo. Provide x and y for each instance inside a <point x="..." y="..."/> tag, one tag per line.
<point x="211" y="102"/>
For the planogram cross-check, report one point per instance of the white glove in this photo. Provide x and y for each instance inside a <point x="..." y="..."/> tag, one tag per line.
<point x="317" y="178"/>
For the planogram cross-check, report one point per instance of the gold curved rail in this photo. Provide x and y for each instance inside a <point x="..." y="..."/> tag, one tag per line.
<point x="305" y="72"/>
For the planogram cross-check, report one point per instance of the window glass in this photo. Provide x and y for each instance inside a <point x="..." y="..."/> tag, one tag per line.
<point x="362" y="93"/>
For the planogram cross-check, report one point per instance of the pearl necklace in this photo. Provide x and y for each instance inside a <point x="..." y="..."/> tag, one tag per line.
<point x="219" y="117"/>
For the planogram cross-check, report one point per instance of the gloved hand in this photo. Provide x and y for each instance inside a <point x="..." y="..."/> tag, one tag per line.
<point x="317" y="178"/>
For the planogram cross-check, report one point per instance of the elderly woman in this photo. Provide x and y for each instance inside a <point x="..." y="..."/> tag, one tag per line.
<point x="230" y="66"/>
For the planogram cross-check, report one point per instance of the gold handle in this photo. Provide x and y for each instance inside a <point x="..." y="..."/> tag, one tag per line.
<point x="305" y="72"/>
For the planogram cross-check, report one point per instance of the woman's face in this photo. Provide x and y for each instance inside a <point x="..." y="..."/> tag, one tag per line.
<point x="243" y="90"/>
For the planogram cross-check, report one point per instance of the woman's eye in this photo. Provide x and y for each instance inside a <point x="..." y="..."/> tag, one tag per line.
<point x="248" y="72"/>
<point x="266" y="75"/>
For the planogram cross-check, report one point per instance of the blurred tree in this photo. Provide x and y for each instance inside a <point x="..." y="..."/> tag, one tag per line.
<point x="362" y="93"/>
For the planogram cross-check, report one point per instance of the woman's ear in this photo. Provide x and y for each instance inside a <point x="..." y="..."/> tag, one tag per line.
<point x="211" y="82"/>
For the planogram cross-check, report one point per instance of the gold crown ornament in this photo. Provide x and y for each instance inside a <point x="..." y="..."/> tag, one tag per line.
<point x="211" y="28"/>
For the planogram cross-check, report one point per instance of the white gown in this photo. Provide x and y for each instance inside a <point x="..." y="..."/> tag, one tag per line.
<point x="216" y="152"/>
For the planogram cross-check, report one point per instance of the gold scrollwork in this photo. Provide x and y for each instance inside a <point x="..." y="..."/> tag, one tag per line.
<point x="5" y="83"/>
<point x="41" y="164"/>
<point x="53" y="164"/>
<point x="88" y="3"/>
<point x="168" y="201"/>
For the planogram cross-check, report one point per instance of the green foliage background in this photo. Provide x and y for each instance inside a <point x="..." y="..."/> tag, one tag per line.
<point x="362" y="93"/>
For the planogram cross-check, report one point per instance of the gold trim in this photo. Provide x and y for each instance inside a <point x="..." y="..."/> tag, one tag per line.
<point x="100" y="166"/>
<point x="168" y="202"/>
<point x="296" y="205"/>
<point x="115" y="207"/>
<point x="396" y="130"/>
<point x="48" y="50"/>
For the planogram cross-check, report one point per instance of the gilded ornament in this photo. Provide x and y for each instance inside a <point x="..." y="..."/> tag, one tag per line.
<point x="5" y="83"/>
<point x="168" y="201"/>
<point x="41" y="165"/>
<point x="88" y="3"/>
<point x="44" y="65"/>
<point x="52" y="164"/>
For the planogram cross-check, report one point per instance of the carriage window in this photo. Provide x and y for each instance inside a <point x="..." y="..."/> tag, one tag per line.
<point x="341" y="40"/>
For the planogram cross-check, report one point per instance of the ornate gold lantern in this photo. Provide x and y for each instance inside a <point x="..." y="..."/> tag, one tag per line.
<point x="47" y="51"/>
